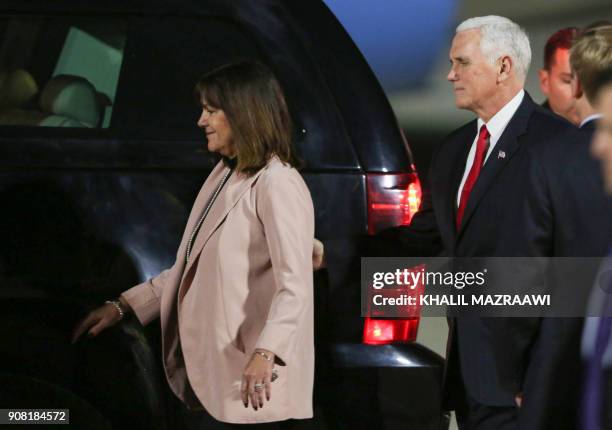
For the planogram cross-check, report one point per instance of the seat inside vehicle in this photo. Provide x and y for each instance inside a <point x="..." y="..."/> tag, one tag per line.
<point x="66" y="101"/>
<point x="70" y="101"/>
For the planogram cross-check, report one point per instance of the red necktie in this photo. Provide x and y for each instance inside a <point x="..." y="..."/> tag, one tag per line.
<point x="481" y="149"/>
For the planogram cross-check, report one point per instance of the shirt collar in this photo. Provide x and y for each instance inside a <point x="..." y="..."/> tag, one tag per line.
<point x="589" y="118"/>
<point x="497" y="124"/>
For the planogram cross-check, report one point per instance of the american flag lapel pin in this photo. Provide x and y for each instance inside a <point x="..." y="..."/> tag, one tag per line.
<point x="501" y="154"/>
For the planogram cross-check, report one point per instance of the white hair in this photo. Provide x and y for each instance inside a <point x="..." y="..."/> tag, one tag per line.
<point x="500" y="36"/>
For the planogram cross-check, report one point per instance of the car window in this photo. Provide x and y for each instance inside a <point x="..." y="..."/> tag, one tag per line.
<point x="131" y="78"/>
<point x="59" y="71"/>
<point x="165" y="56"/>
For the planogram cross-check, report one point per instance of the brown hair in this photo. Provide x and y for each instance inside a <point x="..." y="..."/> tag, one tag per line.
<point x="590" y="54"/>
<point x="253" y="101"/>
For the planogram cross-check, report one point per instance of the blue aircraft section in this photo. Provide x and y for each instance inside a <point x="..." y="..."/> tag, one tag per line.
<point x="400" y="38"/>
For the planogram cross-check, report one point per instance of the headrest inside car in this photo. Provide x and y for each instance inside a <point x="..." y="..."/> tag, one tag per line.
<point x="71" y="96"/>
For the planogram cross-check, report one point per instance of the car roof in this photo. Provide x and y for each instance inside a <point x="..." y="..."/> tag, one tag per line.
<point x="142" y="7"/>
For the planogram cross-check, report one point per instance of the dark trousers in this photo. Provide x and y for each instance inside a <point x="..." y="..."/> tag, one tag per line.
<point x="472" y="415"/>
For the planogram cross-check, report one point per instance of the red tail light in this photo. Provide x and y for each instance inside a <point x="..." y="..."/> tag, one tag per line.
<point x="381" y="331"/>
<point x="393" y="199"/>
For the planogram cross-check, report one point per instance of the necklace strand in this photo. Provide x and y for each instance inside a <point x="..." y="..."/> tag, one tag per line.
<point x="211" y="200"/>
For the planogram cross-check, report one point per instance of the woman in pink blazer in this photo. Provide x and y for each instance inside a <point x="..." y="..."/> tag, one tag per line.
<point x="236" y="308"/>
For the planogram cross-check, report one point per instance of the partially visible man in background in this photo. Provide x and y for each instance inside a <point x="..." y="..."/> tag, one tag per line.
<point x="602" y="143"/>
<point x="556" y="76"/>
<point x="597" y="335"/>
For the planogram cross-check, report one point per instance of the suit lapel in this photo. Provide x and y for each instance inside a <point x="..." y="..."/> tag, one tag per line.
<point x="461" y="148"/>
<point x="507" y="145"/>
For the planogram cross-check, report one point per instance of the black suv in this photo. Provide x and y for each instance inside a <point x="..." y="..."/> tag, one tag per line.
<point x="101" y="161"/>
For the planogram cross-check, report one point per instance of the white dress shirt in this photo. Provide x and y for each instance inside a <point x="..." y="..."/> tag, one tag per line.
<point x="496" y="126"/>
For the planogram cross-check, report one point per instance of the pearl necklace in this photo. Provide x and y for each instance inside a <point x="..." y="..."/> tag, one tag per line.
<point x="211" y="200"/>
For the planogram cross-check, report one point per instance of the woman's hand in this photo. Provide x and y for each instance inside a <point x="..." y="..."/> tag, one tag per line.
<point x="98" y="320"/>
<point x="256" y="379"/>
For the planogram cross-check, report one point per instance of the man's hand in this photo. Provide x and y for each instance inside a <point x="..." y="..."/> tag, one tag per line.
<point x="318" y="255"/>
<point x="518" y="399"/>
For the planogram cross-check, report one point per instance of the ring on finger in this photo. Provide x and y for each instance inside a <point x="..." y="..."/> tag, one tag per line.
<point x="258" y="387"/>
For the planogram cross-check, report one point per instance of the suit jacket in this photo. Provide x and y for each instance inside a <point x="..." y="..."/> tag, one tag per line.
<point x="566" y="213"/>
<point x="474" y="347"/>
<point x="248" y="284"/>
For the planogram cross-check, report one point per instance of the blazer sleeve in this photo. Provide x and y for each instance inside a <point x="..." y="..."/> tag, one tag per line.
<point x="285" y="208"/>
<point x="144" y="299"/>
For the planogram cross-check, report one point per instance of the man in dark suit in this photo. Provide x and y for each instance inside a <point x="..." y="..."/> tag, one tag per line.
<point x="476" y="187"/>
<point x="593" y="64"/>
<point x="597" y="335"/>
